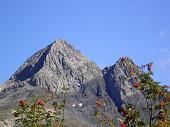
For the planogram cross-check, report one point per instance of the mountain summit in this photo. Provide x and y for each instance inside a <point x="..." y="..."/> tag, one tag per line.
<point x="58" y="65"/>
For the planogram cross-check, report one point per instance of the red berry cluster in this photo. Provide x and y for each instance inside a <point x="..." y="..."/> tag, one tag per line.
<point x="136" y="84"/>
<point x="22" y="103"/>
<point x="40" y="102"/>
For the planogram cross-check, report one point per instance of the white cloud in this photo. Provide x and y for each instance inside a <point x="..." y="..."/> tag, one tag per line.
<point x="162" y="35"/>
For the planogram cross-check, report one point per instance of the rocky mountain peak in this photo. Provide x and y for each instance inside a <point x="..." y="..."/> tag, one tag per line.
<point x="59" y="42"/>
<point x="120" y="78"/>
<point x="57" y="64"/>
<point x="59" y="45"/>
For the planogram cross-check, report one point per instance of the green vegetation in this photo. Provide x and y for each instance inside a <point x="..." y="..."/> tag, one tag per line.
<point x="36" y="113"/>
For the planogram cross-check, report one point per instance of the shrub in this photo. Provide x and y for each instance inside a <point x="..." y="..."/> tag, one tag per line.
<point x="35" y="114"/>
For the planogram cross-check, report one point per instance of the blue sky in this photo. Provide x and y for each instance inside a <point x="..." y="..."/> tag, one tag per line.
<point x="103" y="30"/>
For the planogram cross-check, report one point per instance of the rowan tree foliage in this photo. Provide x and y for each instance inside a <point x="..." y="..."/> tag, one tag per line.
<point x="102" y="119"/>
<point x="35" y="114"/>
<point x="64" y="92"/>
<point x="157" y="98"/>
<point x="131" y="117"/>
<point x="157" y="102"/>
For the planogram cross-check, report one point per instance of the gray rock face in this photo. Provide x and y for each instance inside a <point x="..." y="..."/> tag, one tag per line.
<point x="88" y="94"/>
<point x="60" y="64"/>
<point x="119" y="84"/>
<point x="119" y="80"/>
<point x="55" y="65"/>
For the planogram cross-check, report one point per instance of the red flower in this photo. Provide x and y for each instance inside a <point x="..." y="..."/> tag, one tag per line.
<point x="40" y="102"/>
<point x="22" y="102"/>
<point x="136" y="85"/>
<point x="149" y="66"/>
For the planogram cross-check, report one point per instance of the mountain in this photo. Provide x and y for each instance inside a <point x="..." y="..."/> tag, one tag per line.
<point x="58" y="65"/>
